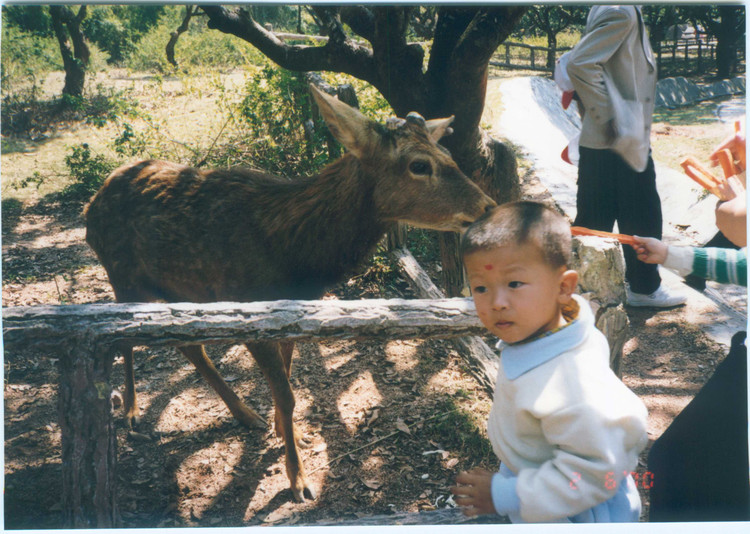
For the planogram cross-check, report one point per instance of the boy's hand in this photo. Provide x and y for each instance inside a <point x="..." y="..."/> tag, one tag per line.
<point x="650" y="249"/>
<point x="473" y="492"/>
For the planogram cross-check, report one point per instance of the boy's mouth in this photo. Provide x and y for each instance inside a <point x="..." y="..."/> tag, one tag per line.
<point x="503" y="324"/>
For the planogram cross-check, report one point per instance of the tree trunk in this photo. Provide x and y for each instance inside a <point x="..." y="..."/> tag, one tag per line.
<point x="726" y="51"/>
<point x="492" y="165"/>
<point x="89" y="445"/>
<point x="175" y="35"/>
<point x="552" y="45"/>
<point x="75" y="61"/>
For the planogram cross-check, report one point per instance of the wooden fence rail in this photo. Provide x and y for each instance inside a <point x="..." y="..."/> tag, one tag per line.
<point x="85" y="339"/>
<point x="530" y="57"/>
<point x="48" y="327"/>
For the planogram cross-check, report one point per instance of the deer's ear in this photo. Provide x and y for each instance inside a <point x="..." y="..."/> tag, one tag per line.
<point x="438" y="128"/>
<point x="348" y="126"/>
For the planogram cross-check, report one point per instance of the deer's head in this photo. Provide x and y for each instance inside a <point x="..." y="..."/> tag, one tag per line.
<point x="415" y="179"/>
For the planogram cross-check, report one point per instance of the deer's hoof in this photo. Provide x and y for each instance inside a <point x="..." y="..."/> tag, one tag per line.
<point x="134" y="421"/>
<point x="250" y="419"/>
<point x="306" y="493"/>
<point x="259" y="424"/>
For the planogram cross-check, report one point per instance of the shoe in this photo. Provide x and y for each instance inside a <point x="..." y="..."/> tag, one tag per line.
<point x="696" y="282"/>
<point x="661" y="298"/>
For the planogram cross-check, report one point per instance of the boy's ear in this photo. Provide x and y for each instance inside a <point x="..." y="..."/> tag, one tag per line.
<point x="568" y="284"/>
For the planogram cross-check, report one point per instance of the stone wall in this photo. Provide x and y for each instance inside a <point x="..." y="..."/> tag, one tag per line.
<point x="601" y="281"/>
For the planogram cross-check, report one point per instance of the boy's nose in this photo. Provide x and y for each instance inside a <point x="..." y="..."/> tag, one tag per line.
<point x="499" y="300"/>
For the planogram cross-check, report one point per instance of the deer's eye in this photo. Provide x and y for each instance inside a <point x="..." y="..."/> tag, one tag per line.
<point x="422" y="168"/>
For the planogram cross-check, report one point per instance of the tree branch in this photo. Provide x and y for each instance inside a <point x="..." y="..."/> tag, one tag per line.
<point x="331" y="23"/>
<point x="487" y="30"/>
<point x="336" y="55"/>
<point x="360" y="19"/>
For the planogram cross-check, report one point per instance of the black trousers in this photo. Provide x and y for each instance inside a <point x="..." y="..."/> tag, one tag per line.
<point x="608" y="191"/>
<point x="699" y="465"/>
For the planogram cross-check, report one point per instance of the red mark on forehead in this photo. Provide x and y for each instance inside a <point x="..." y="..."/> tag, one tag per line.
<point x="488" y="267"/>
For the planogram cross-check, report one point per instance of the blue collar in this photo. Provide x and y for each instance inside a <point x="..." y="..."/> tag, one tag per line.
<point x="521" y="358"/>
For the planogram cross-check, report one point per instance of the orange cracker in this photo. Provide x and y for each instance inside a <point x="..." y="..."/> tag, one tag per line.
<point x="699" y="174"/>
<point x="726" y="160"/>
<point x="622" y="238"/>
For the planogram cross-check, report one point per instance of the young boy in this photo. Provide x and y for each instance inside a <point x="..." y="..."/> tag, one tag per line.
<point x="567" y="431"/>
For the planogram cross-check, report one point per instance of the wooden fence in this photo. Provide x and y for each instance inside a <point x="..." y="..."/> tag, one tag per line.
<point x="683" y="57"/>
<point x="85" y="339"/>
<point x="511" y="55"/>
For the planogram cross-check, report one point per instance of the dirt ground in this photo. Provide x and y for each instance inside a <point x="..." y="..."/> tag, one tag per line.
<point x="390" y="424"/>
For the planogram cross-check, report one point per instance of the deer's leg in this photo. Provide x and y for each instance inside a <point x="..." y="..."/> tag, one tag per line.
<point x="244" y="414"/>
<point x="271" y="360"/>
<point x="287" y="349"/>
<point x="132" y="413"/>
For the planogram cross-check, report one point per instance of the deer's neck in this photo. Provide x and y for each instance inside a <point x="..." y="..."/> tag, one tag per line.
<point x="329" y="223"/>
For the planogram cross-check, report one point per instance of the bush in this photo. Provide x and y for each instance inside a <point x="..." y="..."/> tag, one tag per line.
<point x="25" y="59"/>
<point x="278" y="130"/>
<point x="87" y="170"/>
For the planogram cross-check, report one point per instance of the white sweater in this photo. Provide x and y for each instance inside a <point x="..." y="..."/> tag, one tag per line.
<point x="564" y="423"/>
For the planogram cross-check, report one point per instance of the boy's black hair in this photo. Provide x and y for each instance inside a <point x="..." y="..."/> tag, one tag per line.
<point x="519" y="223"/>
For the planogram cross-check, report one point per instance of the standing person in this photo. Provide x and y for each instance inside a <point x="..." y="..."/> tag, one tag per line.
<point x="613" y="72"/>
<point x="567" y="431"/>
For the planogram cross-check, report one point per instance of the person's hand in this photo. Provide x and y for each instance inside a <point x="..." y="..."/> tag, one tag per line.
<point x="473" y="492"/>
<point x="650" y="249"/>
<point x="731" y="188"/>
<point x="736" y="145"/>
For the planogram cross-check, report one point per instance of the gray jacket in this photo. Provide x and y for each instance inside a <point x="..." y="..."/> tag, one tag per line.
<point x="615" y="51"/>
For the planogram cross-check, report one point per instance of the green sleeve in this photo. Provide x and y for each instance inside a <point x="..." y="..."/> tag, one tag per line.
<point x="724" y="265"/>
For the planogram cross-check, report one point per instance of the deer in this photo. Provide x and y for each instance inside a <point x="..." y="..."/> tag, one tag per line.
<point x="172" y="233"/>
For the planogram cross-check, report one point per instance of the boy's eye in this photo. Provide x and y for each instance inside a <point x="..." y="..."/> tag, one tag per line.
<point x="479" y="290"/>
<point x="515" y="284"/>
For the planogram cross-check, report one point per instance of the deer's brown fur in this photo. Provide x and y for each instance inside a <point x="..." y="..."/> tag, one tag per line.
<point x="168" y="232"/>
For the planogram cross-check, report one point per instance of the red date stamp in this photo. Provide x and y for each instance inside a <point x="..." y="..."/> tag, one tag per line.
<point x="643" y="480"/>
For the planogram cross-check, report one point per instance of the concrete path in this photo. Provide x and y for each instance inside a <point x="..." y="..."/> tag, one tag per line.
<point x="533" y="119"/>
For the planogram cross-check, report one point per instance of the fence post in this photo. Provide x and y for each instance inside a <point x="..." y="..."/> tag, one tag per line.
<point x="687" y="58"/>
<point x="532" y="58"/>
<point x="507" y="53"/>
<point x="658" y="59"/>
<point x="89" y="444"/>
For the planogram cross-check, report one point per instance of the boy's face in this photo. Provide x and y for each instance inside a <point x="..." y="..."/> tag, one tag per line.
<point x="517" y="294"/>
